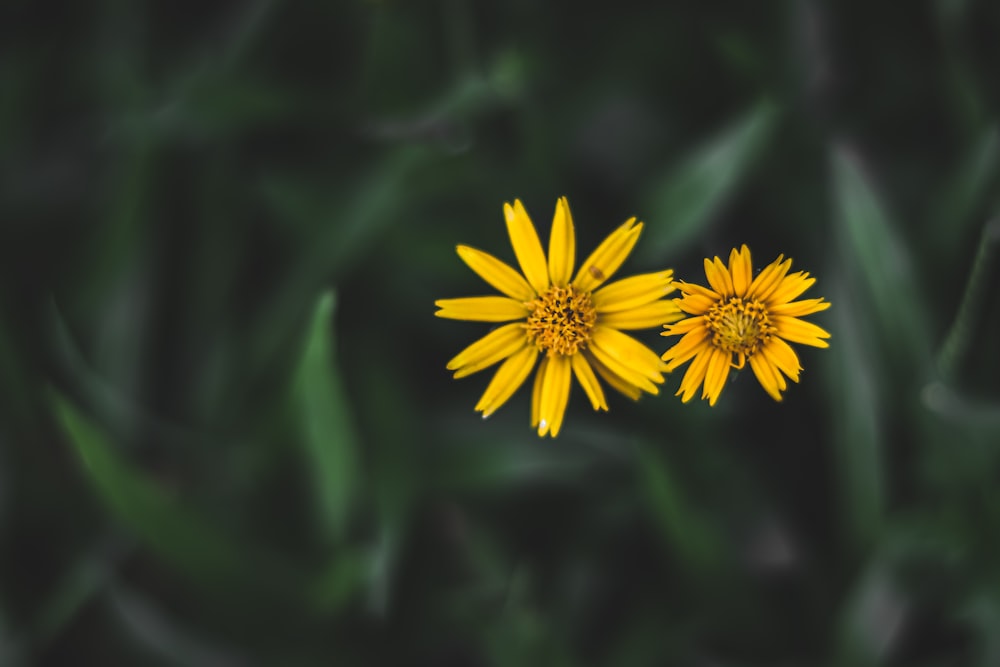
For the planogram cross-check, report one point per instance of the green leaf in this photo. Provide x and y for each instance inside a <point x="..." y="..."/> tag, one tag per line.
<point x="692" y="541"/>
<point x="882" y="260"/>
<point x="974" y="180"/>
<point x="163" y="523"/>
<point x="330" y="438"/>
<point x="683" y="201"/>
<point x="852" y="372"/>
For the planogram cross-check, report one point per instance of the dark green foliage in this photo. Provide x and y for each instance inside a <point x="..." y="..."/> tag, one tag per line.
<point x="227" y="435"/>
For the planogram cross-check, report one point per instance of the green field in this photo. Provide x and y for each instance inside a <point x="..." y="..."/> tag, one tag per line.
<point x="227" y="433"/>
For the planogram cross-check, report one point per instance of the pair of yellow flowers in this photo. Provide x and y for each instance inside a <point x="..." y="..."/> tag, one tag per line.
<point x="576" y="323"/>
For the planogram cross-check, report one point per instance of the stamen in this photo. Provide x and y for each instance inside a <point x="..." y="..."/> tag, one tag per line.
<point x="740" y="326"/>
<point x="561" y="320"/>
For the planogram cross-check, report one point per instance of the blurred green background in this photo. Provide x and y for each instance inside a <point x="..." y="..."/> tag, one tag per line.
<point x="227" y="436"/>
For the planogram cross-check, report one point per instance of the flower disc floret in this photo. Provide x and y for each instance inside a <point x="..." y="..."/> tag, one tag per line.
<point x="561" y="320"/>
<point x="740" y="325"/>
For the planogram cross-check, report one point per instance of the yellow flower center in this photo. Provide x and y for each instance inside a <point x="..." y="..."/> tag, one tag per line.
<point x="740" y="326"/>
<point x="561" y="320"/>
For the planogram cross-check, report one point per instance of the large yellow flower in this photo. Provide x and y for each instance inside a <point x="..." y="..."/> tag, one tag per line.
<point x="571" y="324"/>
<point x="740" y="319"/>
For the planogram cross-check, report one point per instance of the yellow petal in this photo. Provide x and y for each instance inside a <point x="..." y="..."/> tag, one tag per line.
<point x="695" y="374"/>
<point x="741" y="270"/>
<point x="618" y="383"/>
<point x="697" y="304"/>
<point x="497" y="273"/>
<point x="562" y="245"/>
<point x="799" y="331"/>
<point x="792" y="286"/>
<point x="781" y="355"/>
<point x="689" y="289"/>
<point x="608" y="256"/>
<point x="482" y="309"/>
<point x="527" y="247"/>
<point x="768" y="280"/>
<point x="684" y="326"/>
<point x="799" y="308"/>
<point x="585" y="376"/>
<point x="555" y="395"/>
<point x="634" y="291"/>
<point x="766" y="376"/>
<point x="627" y="351"/>
<point x="536" y="392"/>
<point x="489" y="349"/>
<point x="616" y="368"/>
<point x="688" y="346"/>
<point x="716" y="374"/>
<point x="718" y="277"/>
<point x="506" y="381"/>
<point x="651" y="315"/>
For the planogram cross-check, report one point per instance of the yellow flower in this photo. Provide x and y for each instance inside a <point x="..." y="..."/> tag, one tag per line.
<point x="571" y="324"/>
<point x="743" y="318"/>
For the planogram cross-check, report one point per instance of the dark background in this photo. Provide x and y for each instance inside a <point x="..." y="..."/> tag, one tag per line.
<point x="227" y="436"/>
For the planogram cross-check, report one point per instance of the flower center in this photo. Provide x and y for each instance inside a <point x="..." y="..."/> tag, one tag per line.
<point x="740" y="325"/>
<point x="561" y="320"/>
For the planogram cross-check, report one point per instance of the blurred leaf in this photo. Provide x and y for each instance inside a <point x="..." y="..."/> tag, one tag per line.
<point x="681" y="203"/>
<point x="330" y="437"/>
<point x="87" y="577"/>
<point x="163" y="636"/>
<point x="884" y="263"/>
<point x="872" y="619"/>
<point x="968" y="189"/>
<point x="982" y="613"/>
<point x="955" y="347"/>
<point x="852" y="371"/>
<point x="333" y="588"/>
<point x="690" y="537"/>
<point x="168" y="527"/>
<point x="339" y="228"/>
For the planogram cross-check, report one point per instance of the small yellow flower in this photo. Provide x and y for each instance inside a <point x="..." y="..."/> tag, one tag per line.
<point x="740" y="319"/>
<point x="571" y="324"/>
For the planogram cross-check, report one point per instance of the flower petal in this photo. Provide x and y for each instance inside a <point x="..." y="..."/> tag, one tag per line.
<point x="792" y="286"/>
<point x="562" y="245"/>
<point x="769" y="279"/>
<point x="718" y="277"/>
<point x="689" y="345"/>
<point x="618" y="383"/>
<point x="585" y="376"/>
<point x="633" y="291"/>
<point x="617" y="368"/>
<point x="799" y="308"/>
<point x="488" y="350"/>
<point x="716" y="374"/>
<point x="741" y="269"/>
<point x="506" y="381"/>
<point x="781" y="355"/>
<point x="482" y="309"/>
<point x="555" y="395"/>
<point x="536" y="391"/>
<point x="643" y="317"/>
<point x="527" y="247"/>
<point x="766" y="375"/>
<point x="628" y="352"/>
<point x="695" y="374"/>
<point x="497" y="273"/>
<point x="799" y="331"/>
<point x="684" y="326"/>
<point x="608" y="256"/>
<point x="697" y="304"/>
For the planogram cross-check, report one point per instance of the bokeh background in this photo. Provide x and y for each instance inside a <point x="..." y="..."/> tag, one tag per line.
<point x="227" y="436"/>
